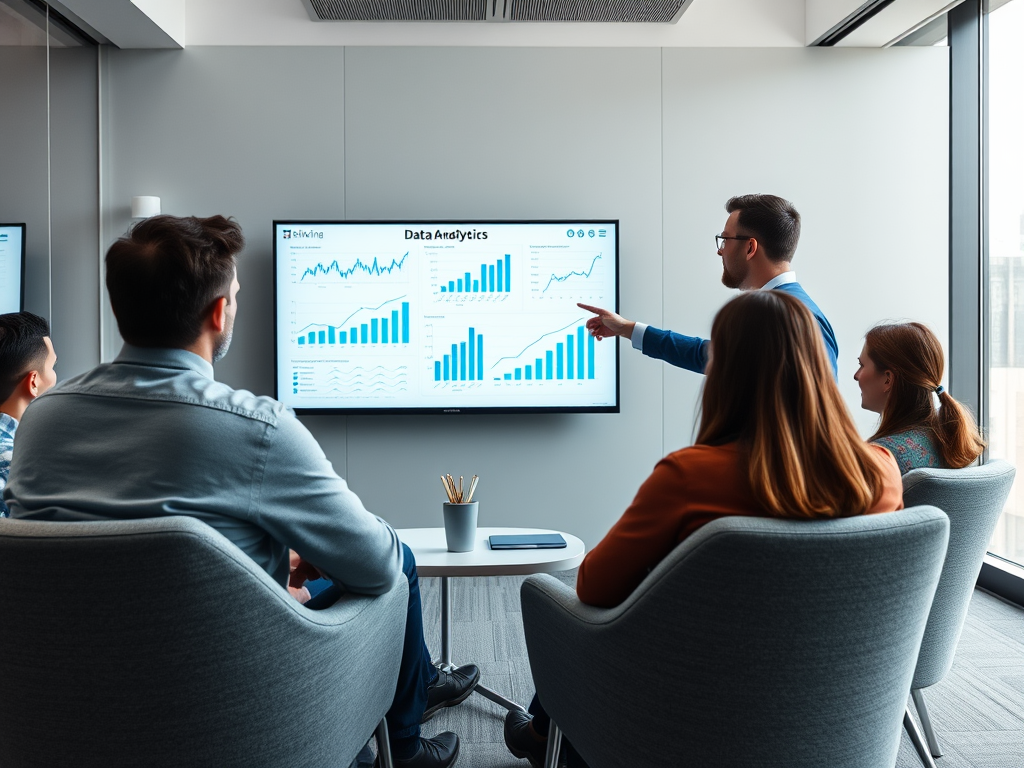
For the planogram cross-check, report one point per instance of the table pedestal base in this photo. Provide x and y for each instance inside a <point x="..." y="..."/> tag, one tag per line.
<point x="445" y="662"/>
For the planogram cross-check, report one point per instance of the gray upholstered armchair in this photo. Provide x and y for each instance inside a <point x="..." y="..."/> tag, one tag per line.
<point x="973" y="498"/>
<point x="755" y="643"/>
<point x="159" y="643"/>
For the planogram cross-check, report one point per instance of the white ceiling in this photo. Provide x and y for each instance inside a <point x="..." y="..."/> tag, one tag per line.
<point x="706" y="23"/>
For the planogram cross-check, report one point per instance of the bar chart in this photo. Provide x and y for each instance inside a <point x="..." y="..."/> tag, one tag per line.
<point x="390" y="328"/>
<point x="465" y="361"/>
<point x="491" y="278"/>
<point x="568" y="359"/>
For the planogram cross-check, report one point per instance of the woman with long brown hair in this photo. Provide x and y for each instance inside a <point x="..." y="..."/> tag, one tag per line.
<point x="900" y="372"/>
<point x="775" y="440"/>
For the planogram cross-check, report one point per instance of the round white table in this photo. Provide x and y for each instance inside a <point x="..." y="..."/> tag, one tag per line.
<point x="434" y="559"/>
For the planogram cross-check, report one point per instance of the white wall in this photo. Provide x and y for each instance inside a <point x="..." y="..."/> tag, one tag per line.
<point x="857" y="140"/>
<point x="657" y="138"/>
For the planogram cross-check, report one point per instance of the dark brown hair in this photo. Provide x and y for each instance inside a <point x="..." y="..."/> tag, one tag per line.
<point x="770" y="387"/>
<point x="22" y="349"/>
<point x="772" y="221"/>
<point x="913" y="355"/>
<point x="164" y="276"/>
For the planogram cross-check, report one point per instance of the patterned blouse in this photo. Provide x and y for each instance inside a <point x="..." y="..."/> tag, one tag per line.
<point x="913" y="448"/>
<point x="8" y="426"/>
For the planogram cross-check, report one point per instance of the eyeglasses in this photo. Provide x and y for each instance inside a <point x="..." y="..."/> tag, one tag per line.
<point x="720" y="240"/>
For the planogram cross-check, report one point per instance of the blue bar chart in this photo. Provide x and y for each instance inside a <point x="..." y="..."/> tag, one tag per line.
<point x="493" y="278"/>
<point x="389" y="328"/>
<point x="571" y="359"/>
<point x="465" y="362"/>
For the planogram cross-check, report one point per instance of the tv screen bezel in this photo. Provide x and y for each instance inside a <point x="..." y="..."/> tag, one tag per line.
<point x="341" y="411"/>
<point x="21" y="273"/>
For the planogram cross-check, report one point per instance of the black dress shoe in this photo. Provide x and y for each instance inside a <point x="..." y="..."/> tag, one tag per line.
<point x="451" y="688"/>
<point x="442" y="751"/>
<point x="522" y="741"/>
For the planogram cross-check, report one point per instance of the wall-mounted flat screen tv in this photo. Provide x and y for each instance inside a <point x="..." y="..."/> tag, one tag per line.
<point x="12" y="267"/>
<point x="444" y="316"/>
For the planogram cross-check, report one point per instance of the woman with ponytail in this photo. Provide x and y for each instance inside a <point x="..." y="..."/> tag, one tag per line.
<point x="900" y="376"/>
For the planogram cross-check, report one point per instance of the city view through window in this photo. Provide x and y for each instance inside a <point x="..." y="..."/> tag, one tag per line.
<point x="1006" y="264"/>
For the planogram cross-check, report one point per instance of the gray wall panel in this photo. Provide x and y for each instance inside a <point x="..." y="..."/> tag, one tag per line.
<point x="254" y="133"/>
<point x="512" y="133"/>
<point x="73" y="147"/>
<point x="857" y="140"/>
<point x="23" y="173"/>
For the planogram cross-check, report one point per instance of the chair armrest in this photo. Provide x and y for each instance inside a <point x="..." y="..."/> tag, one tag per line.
<point x="567" y="641"/>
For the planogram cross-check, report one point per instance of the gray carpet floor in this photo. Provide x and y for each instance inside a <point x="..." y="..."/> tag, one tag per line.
<point x="978" y="709"/>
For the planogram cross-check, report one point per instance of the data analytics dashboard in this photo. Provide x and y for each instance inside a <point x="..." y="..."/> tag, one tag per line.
<point x="444" y="316"/>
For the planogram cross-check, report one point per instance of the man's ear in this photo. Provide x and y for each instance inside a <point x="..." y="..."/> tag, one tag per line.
<point x="31" y="383"/>
<point x="752" y="248"/>
<point x="218" y="314"/>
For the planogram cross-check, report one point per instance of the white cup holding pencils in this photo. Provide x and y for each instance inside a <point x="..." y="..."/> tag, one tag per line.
<point x="460" y="514"/>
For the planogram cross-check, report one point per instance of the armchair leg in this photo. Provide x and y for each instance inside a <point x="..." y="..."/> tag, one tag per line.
<point x="554" y="746"/>
<point x="384" y="759"/>
<point x="926" y="722"/>
<point x="915" y="737"/>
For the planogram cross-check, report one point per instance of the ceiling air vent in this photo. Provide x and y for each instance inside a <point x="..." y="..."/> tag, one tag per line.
<point x="397" y="10"/>
<point x="649" y="11"/>
<point x="656" y="11"/>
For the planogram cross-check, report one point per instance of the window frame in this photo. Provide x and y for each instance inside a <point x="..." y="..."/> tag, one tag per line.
<point x="969" y="288"/>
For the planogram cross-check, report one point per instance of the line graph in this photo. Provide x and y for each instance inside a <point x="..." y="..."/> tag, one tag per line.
<point x="562" y="278"/>
<point x="536" y="341"/>
<point x="358" y="268"/>
<point x="343" y="323"/>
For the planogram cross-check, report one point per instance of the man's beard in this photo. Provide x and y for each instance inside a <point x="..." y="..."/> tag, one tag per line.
<point x="730" y="280"/>
<point x="223" y="344"/>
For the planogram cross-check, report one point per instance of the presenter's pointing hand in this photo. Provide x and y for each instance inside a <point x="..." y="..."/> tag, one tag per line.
<point x="607" y="323"/>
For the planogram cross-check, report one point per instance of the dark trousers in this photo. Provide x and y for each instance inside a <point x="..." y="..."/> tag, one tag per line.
<point x="416" y="672"/>
<point x="542" y="723"/>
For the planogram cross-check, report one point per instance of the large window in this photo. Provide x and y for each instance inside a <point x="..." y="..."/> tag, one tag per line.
<point x="1006" y="262"/>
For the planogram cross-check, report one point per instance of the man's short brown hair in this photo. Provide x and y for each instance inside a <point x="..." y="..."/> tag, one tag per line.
<point x="164" y="276"/>
<point x="772" y="221"/>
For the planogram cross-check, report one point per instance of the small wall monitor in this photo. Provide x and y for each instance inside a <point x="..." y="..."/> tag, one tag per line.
<point x="12" y="267"/>
<point x="444" y="316"/>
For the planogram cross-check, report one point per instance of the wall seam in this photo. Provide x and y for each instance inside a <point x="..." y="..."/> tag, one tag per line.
<point x="49" y="186"/>
<point x="661" y="130"/>
<point x="344" y="182"/>
<point x="99" y="197"/>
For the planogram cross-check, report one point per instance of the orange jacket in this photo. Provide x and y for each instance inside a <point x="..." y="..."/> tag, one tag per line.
<point x="687" y="489"/>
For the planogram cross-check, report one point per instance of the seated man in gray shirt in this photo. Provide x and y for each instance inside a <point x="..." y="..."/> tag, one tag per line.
<point x="154" y="434"/>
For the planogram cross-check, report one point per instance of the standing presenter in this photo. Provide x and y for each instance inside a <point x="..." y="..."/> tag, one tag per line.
<point x="757" y="246"/>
